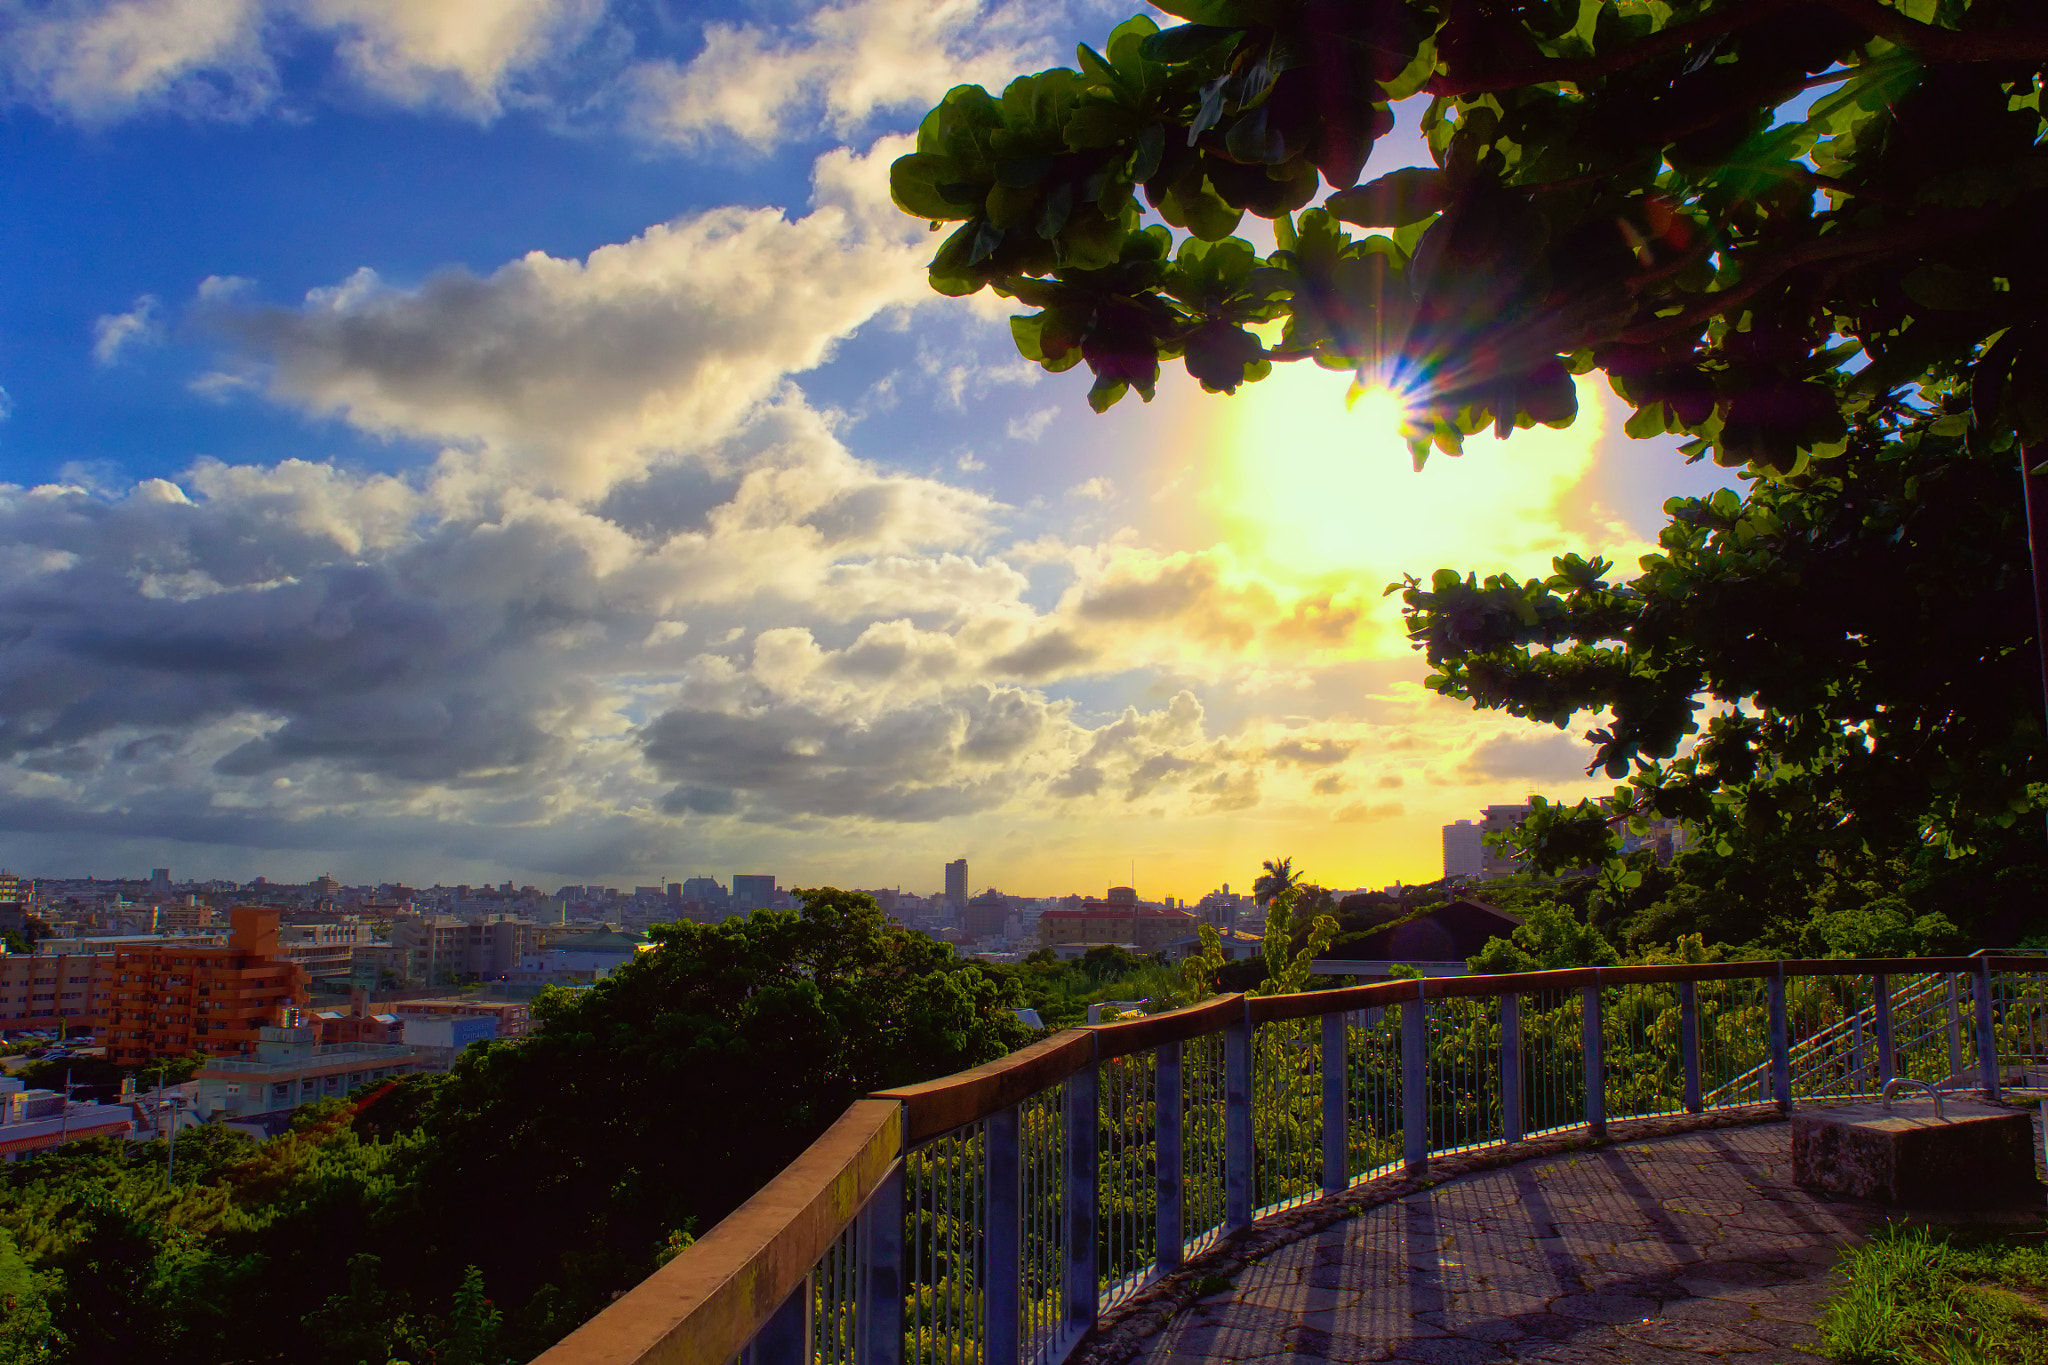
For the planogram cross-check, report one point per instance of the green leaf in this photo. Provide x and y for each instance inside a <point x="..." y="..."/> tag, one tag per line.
<point x="915" y="183"/>
<point x="1395" y="200"/>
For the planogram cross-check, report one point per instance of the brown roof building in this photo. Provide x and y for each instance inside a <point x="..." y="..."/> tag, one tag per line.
<point x="1121" y="918"/>
<point x="171" y="1000"/>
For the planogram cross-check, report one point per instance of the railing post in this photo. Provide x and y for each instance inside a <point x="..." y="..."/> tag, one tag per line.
<point x="1237" y="1122"/>
<point x="1987" y="1036"/>
<point x="1955" y="1031"/>
<point x="1689" y="1043"/>
<point x="1003" y="1238"/>
<point x="1083" y="1283"/>
<point x="1592" y="1037"/>
<point x="1781" y="1042"/>
<point x="1336" y="1119"/>
<point x="785" y="1339"/>
<point x="1881" y="1000"/>
<point x="1512" y="1125"/>
<point x="1166" y="1159"/>
<point x="879" y="1319"/>
<point x="1414" y="1087"/>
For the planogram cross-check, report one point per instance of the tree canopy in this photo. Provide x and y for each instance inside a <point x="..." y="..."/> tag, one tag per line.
<point x="1614" y="189"/>
<point x="1801" y="235"/>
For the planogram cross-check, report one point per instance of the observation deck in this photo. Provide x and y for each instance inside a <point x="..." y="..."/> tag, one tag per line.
<point x="1253" y="1175"/>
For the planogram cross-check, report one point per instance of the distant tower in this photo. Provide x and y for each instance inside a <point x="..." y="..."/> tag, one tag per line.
<point x="1462" y="849"/>
<point x="956" y="883"/>
<point x="160" y="880"/>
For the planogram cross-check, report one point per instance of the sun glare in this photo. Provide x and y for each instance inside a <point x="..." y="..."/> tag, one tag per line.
<point x="1314" y="488"/>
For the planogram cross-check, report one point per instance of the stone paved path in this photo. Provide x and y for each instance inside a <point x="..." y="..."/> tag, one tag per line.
<point x="1662" y="1250"/>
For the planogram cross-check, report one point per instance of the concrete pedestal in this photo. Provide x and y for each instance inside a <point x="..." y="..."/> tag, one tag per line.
<point x="1977" y="1156"/>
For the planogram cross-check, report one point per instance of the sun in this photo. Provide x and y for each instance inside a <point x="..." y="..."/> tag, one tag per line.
<point x="1311" y="486"/>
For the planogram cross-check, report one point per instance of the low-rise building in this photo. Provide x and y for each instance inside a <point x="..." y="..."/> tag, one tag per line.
<point x="33" y="1120"/>
<point x="54" y="991"/>
<point x="512" y="1017"/>
<point x="1119" y="918"/>
<point x="292" y="1067"/>
<point x="577" y="958"/>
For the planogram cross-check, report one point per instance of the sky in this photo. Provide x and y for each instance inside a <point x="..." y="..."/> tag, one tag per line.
<point x="469" y="440"/>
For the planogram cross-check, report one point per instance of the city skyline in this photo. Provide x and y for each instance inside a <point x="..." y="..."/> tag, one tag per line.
<point x="481" y="453"/>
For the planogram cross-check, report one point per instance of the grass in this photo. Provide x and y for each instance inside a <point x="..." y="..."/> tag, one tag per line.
<point x="1922" y="1296"/>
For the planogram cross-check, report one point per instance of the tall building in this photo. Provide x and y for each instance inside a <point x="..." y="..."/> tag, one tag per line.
<point x="752" y="892"/>
<point x="956" y="884"/>
<point x="160" y="881"/>
<point x="171" y="999"/>
<point x="1464" y="855"/>
<point x="1500" y="862"/>
<point x="16" y="895"/>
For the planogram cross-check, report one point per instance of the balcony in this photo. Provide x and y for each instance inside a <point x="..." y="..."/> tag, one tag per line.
<point x="999" y="1214"/>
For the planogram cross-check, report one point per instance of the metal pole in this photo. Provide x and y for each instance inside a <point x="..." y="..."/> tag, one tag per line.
<point x="1955" y="1031"/>
<point x="1083" y="1134"/>
<point x="1781" y="1042"/>
<point x="1592" y="1039"/>
<point x="1414" y="1090"/>
<point x="1881" y="1001"/>
<point x="1336" y="1121"/>
<point x="1238" y="1155"/>
<point x="880" y="1318"/>
<point x="1004" y="1171"/>
<point x="1170" y="1235"/>
<point x="1987" y="1036"/>
<point x="1512" y="1125"/>
<point x="785" y="1339"/>
<point x="1689" y="1043"/>
<point x="2035" y="500"/>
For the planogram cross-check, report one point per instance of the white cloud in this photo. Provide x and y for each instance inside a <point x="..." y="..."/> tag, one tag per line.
<point x="577" y="374"/>
<point x="113" y="333"/>
<point x="459" y="54"/>
<point x="98" y="61"/>
<point x="1032" y="425"/>
<point x="839" y="65"/>
<point x="1097" y="489"/>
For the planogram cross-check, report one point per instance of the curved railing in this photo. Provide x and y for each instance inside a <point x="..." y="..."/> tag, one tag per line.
<point x="990" y="1217"/>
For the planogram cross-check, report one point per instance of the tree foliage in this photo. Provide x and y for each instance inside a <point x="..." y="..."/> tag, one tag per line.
<point x="1613" y="189"/>
<point x="1802" y="235"/>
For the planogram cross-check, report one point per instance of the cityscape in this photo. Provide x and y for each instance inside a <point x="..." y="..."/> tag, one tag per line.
<point x="1024" y="682"/>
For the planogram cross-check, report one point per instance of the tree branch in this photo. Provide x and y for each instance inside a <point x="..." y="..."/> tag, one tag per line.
<point x="1577" y="71"/>
<point x="1757" y="274"/>
<point x="1944" y="44"/>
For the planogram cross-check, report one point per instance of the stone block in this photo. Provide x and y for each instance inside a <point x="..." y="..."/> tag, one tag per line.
<point x="1975" y="1156"/>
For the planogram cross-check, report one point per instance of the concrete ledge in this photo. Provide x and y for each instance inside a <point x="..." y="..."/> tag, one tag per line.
<point x="1975" y="1156"/>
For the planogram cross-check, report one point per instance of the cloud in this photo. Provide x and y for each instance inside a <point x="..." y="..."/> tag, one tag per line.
<point x="576" y="374"/>
<point x="1543" y="758"/>
<point x="837" y="67"/>
<point x="98" y="61"/>
<point x="1097" y="489"/>
<point x="1330" y="784"/>
<point x="1311" y="753"/>
<point x="457" y="54"/>
<point x="1359" y="813"/>
<point x="1032" y="425"/>
<point x="113" y="333"/>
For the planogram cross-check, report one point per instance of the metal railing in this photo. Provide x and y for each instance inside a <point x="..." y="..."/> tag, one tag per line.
<point x="990" y="1217"/>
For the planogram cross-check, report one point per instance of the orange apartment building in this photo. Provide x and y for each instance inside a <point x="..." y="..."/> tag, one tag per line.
<point x="1121" y="918"/>
<point x="169" y="1000"/>
<point x="67" y="991"/>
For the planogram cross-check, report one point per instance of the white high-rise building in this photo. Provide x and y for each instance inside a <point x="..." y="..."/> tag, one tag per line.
<point x="1462" y="849"/>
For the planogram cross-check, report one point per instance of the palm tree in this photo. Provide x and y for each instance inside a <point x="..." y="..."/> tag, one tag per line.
<point x="1280" y="875"/>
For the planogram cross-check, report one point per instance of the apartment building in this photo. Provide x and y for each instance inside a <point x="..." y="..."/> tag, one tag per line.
<point x="445" y="949"/>
<point x="1119" y="918"/>
<point x="54" y="990"/>
<point x="171" y="999"/>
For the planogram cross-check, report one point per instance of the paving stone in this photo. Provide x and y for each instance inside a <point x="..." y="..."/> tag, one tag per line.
<point x="1685" y="1248"/>
<point x="1675" y="1334"/>
<point x="1446" y="1351"/>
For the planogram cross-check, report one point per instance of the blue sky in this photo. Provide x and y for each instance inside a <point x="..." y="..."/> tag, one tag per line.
<point x="468" y="439"/>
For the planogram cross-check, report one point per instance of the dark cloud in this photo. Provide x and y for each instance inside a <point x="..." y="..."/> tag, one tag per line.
<point x="1311" y="753"/>
<point x="1540" y="758"/>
